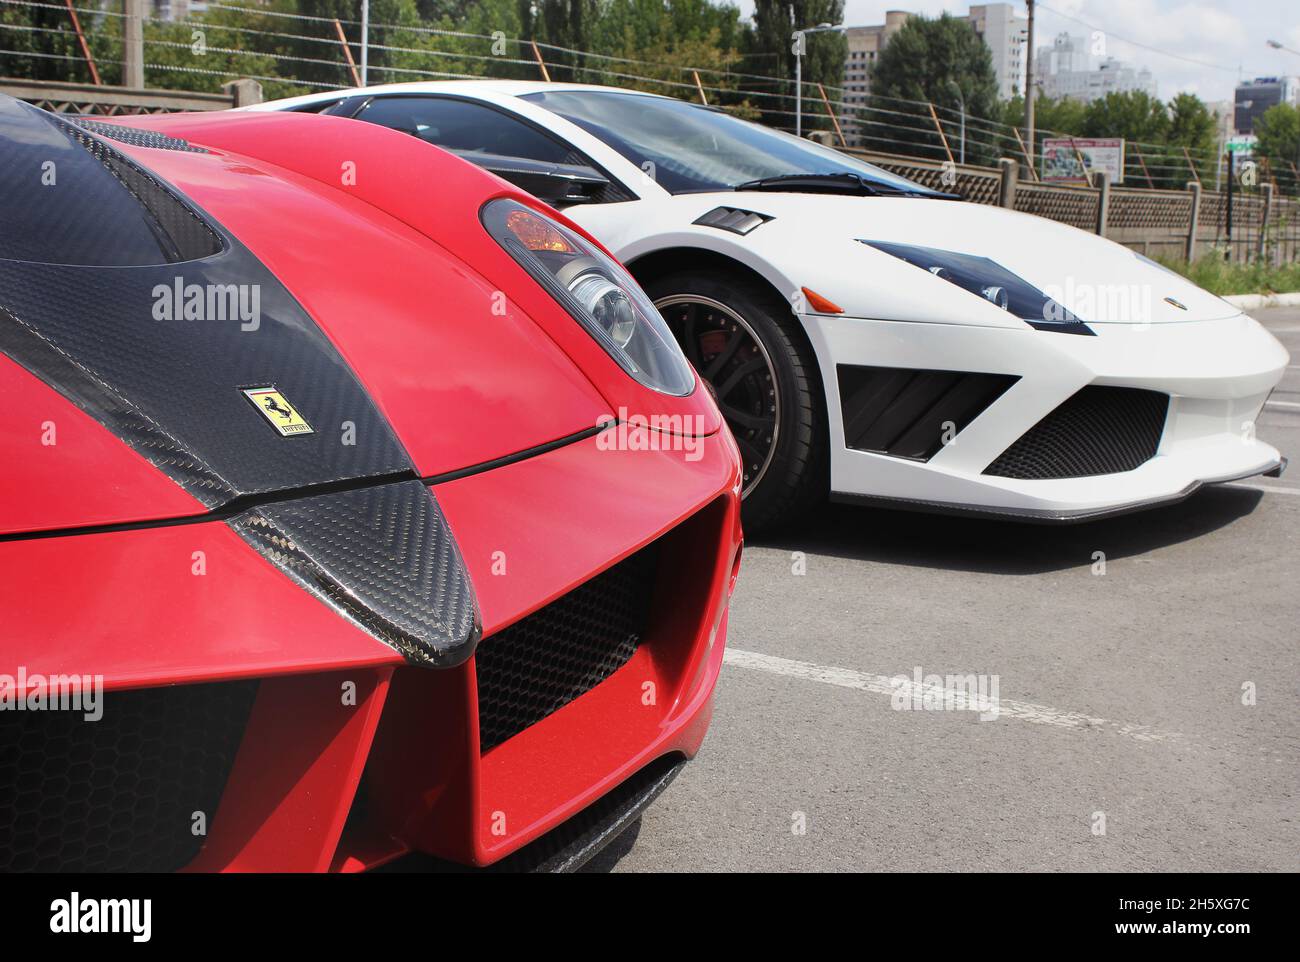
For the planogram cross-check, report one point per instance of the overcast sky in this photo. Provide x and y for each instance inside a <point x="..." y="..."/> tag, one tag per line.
<point x="1228" y="34"/>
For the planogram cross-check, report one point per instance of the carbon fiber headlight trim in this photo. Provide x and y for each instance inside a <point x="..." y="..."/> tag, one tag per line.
<point x="384" y="557"/>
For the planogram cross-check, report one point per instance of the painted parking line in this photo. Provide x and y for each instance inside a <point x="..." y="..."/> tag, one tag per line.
<point x="1270" y="488"/>
<point x="1283" y="405"/>
<point x="959" y="698"/>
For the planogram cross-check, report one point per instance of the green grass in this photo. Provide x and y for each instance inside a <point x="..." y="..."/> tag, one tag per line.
<point x="1219" y="277"/>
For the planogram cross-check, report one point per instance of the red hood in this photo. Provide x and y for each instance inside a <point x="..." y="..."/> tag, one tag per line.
<point x="464" y="355"/>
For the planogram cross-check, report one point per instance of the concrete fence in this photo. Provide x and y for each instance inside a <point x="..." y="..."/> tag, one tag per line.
<point x="77" y="98"/>
<point x="1170" y="223"/>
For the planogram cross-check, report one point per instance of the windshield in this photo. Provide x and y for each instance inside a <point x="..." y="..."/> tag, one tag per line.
<point x="694" y="148"/>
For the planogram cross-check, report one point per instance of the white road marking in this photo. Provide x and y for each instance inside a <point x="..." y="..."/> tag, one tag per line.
<point x="1283" y="405"/>
<point x="1270" y="488"/>
<point x="884" y="685"/>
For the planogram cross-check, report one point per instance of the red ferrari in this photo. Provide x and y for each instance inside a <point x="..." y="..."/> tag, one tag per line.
<point x="353" y="504"/>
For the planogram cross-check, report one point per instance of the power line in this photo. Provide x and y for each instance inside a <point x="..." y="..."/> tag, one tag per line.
<point x="1136" y="43"/>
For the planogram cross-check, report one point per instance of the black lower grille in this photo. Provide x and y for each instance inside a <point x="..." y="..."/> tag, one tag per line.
<point x="540" y="664"/>
<point x="909" y="413"/>
<point x="569" y="847"/>
<point x="118" y="794"/>
<point x="1099" y="430"/>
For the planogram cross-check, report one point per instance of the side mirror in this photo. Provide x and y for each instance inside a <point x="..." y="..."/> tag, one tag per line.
<point x="560" y="185"/>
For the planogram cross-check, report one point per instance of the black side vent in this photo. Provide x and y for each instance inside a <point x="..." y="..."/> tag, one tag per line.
<point x="541" y="663"/>
<point x="909" y="413"/>
<point x="1099" y="430"/>
<point x="135" y="137"/>
<point x="118" y="794"/>
<point x="732" y="219"/>
<point x="183" y="235"/>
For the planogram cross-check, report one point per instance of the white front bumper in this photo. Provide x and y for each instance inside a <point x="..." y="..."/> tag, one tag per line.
<point x="1218" y="375"/>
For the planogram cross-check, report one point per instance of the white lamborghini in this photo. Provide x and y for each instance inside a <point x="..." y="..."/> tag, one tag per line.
<point x="866" y="336"/>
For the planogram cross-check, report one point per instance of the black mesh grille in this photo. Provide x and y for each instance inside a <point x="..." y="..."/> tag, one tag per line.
<point x="135" y="137"/>
<point x="1100" y="430"/>
<point x="117" y="794"/>
<point x="540" y="664"/>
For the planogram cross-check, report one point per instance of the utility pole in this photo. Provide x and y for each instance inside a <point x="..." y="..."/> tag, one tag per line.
<point x="132" y="43"/>
<point x="365" y="42"/>
<point x="1029" y="87"/>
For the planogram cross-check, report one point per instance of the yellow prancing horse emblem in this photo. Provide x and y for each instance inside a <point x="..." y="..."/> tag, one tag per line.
<point x="276" y="408"/>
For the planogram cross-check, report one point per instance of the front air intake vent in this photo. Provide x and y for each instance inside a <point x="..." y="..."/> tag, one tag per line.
<point x="909" y="413"/>
<point x="541" y="663"/>
<point x="1099" y="430"/>
<point x="118" y="794"/>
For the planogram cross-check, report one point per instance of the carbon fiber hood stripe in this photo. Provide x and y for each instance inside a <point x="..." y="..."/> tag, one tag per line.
<point x="80" y="309"/>
<point x="383" y="557"/>
<point x="159" y="352"/>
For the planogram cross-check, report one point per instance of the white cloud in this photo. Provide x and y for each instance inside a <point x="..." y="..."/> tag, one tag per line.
<point x="1230" y="35"/>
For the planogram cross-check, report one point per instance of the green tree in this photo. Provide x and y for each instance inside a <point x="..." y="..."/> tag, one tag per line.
<point x="667" y="39"/>
<point x="943" y="62"/>
<point x="45" y="46"/>
<point x="1063" y="115"/>
<point x="1278" y="131"/>
<point x="768" y="52"/>
<point x="1134" y="115"/>
<point x="1191" y="126"/>
<point x="563" y="23"/>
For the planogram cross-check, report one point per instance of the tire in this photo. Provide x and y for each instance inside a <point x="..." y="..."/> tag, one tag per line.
<point x="769" y="377"/>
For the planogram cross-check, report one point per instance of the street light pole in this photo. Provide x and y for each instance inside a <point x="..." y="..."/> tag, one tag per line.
<point x="797" y="48"/>
<point x="1029" y="88"/>
<point x="798" y="82"/>
<point x="961" y="99"/>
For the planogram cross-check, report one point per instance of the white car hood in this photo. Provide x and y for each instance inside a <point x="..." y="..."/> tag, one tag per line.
<point x="813" y="241"/>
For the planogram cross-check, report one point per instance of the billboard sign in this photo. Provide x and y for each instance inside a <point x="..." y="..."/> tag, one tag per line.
<point x="1062" y="157"/>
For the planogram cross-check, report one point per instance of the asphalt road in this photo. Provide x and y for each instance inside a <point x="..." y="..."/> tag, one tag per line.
<point x="1122" y="693"/>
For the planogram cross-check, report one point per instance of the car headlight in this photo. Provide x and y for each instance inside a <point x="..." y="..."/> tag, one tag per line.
<point x="991" y="281"/>
<point x="596" y="291"/>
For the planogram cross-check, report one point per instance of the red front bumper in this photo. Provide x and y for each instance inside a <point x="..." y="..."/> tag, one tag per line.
<point x="350" y="757"/>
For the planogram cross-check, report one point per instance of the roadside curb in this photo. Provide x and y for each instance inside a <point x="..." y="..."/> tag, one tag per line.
<point x="1248" y="302"/>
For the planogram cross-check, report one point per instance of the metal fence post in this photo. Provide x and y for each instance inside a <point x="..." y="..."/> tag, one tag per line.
<point x="1103" y="200"/>
<point x="133" y="44"/>
<point x="1263" y="220"/>
<point x="1193" y="221"/>
<point x="243" y="92"/>
<point x="1007" y="185"/>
